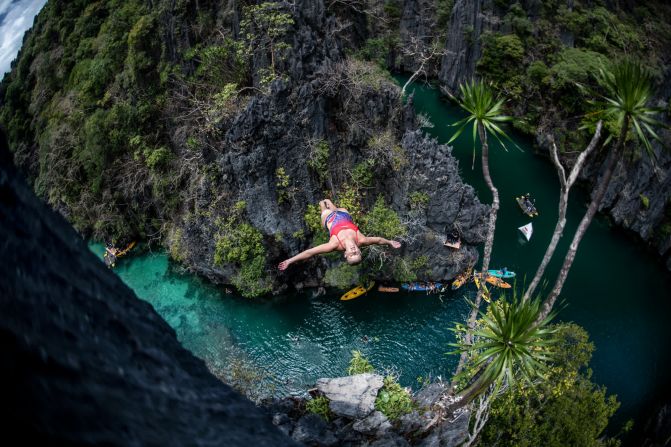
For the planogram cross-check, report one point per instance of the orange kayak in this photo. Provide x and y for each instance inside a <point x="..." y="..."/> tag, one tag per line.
<point x="496" y="282"/>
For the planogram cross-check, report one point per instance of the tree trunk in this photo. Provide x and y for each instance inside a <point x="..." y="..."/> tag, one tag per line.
<point x="412" y="78"/>
<point x="473" y="390"/>
<point x="563" y="202"/>
<point x="585" y="222"/>
<point x="489" y="242"/>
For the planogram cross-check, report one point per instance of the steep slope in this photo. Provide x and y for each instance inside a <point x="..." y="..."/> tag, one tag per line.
<point x="84" y="360"/>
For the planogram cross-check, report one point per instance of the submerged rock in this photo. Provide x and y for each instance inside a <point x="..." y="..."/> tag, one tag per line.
<point x="351" y="396"/>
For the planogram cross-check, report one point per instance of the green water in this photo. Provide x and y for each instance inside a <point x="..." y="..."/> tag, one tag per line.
<point x="615" y="290"/>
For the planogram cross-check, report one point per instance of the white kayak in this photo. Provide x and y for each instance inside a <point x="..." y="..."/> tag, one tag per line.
<point x="527" y="230"/>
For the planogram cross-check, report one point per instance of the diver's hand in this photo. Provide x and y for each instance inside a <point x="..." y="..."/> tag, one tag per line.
<point x="395" y="244"/>
<point x="284" y="264"/>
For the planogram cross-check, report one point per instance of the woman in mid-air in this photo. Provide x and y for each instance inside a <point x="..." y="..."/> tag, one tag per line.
<point x="344" y="236"/>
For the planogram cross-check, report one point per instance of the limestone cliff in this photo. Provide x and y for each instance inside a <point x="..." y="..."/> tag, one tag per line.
<point x="190" y="109"/>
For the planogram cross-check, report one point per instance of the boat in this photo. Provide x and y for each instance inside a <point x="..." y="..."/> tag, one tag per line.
<point x="493" y="280"/>
<point x="422" y="286"/>
<point x="527" y="230"/>
<point x="387" y="289"/>
<point x="462" y="278"/>
<point x="483" y="288"/>
<point x="113" y="253"/>
<point x="357" y="291"/>
<point x="453" y="239"/>
<point x="501" y="273"/>
<point x="527" y="205"/>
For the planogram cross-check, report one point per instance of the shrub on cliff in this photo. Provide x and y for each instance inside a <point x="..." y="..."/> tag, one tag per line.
<point x="238" y="242"/>
<point x="359" y="364"/>
<point x="383" y="221"/>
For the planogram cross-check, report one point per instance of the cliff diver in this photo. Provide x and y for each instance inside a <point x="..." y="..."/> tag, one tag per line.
<point x="344" y="236"/>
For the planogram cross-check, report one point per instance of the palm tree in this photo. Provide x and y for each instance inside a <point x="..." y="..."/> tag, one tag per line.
<point x="508" y="345"/>
<point x="485" y="112"/>
<point x="628" y="88"/>
<point x="565" y="187"/>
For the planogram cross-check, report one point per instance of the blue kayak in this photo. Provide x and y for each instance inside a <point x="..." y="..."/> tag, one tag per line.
<point x="501" y="273"/>
<point x="422" y="286"/>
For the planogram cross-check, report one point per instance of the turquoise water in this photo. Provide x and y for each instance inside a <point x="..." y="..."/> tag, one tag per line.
<point x="296" y="339"/>
<point x="615" y="290"/>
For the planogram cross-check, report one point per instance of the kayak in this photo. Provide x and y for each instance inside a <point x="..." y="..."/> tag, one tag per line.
<point x="461" y="279"/>
<point x="357" y="292"/>
<point x="527" y="207"/>
<point x="421" y="287"/>
<point x="501" y="273"/>
<point x="527" y="230"/>
<point x="387" y="289"/>
<point x="485" y="292"/>
<point x="496" y="282"/>
<point x="112" y="254"/>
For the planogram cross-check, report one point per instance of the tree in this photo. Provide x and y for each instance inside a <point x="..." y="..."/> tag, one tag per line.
<point x="419" y="51"/>
<point x="508" y="345"/>
<point x="565" y="187"/>
<point x="485" y="113"/>
<point x="264" y="26"/>
<point x="565" y="408"/>
<point x="628" y="88"/>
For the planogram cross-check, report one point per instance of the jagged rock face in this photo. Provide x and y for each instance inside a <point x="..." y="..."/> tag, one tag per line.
<point x="85" y="361"/>
<point x="274" y="131"/>
<point x="434" y="171"/>
<point x="632" y="183"/>
<point x="469" y="19"/>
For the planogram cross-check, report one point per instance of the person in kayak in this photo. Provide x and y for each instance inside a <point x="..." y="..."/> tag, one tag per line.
<point x="344" y="236"/>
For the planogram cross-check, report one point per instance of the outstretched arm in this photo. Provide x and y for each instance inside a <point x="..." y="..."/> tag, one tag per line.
<point x="376" y="240"/>
<point x="319" y="249"/>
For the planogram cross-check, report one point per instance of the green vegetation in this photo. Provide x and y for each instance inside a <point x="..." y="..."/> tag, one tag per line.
<point x="263" y="27"/>
<point x="359" y="364"/>
<point x="318" y="158"/>
<point x="383" y="221"/>
<point x="385" y="152"/>
<point x="418" y="200"/>
<point x="175" y="245"/>
<point x="628" y="90"/>
<point x="313" y="221"/>
<point x="509" y="346"/>
<point x="408" y="270"/>
<point x="238" y="242"/>
<point x="393" y="400"/>
<point x="564" y="408"/>
<point x="645" y="201"/>
<point x="535" y="65"/>
<point x="342" y="276"/>
<point x="485" y="113"/>
<point x="282" y="182"/>
<point x="319" y="405"/>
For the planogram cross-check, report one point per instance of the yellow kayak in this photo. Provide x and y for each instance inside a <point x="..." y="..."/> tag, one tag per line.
<point x="461" y="279"/>
<point x="485" y="292"/>
<point x="357" y="292"/>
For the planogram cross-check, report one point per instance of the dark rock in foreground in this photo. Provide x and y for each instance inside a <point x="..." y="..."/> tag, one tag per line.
<point x="85" y="361"/>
